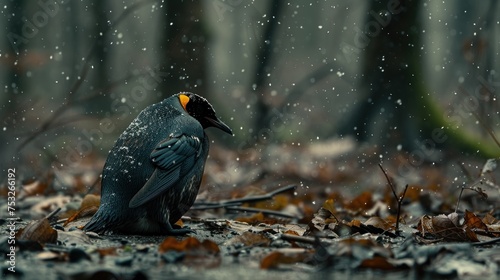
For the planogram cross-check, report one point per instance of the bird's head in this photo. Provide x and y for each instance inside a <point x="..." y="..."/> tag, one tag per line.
<point x="200" y="109"/>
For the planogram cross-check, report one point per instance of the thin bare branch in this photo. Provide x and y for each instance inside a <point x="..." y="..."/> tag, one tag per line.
<point x="295" y="238"/>
<point x="398" y="199"/>
<point x="389" y="181"/>
<point x="260" y="210"/>
<point x="239" y="201"/>
<point x="472" y="187"/>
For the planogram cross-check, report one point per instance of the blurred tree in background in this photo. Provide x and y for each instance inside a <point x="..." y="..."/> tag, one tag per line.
<point x="184" y="39"/>
<point x="393" y="75"/>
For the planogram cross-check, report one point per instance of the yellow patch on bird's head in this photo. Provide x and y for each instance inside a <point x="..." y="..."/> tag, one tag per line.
<point x="184" y="99"/>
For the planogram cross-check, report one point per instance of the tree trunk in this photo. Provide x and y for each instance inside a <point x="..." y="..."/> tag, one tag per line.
<point x="398" y="104"/>
<point x="183" y="45"/>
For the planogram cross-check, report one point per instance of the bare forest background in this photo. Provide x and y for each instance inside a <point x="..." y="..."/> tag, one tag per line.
<point x="417" y="76"/>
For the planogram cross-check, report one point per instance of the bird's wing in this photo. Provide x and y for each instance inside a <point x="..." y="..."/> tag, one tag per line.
<point x="171" y="157"/>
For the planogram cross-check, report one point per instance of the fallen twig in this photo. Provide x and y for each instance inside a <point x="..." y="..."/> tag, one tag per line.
<point x="235" y="204"/>
<point x="53" y="213"/>
<point x="488" y="242"/>
<point x="472" y="187"/>
<point x="398" y="199"/>
<point x="263" y="211"/>
<point x="239" y="201"/>
<point x="296" y="238"/>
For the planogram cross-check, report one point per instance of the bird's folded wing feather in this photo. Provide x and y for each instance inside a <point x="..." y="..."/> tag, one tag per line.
<point x="171" y="157"/>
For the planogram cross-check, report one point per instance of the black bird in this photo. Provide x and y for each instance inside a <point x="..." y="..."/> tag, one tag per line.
<point x="152" y="174"/>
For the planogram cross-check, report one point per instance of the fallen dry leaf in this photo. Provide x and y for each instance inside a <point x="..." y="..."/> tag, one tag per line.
<point x="442" y="227"/>
<point x="277" y="258"/>
<point x="191" y="252"/>
<point x="471" y="221"/>
<point x="189" y="244"/>
<point x="110" y="251"/>
<point x="249" y="239"/>
<point x="39" y="231"/>
<point x="256" y="218"/>
<point x="377" y="262"/>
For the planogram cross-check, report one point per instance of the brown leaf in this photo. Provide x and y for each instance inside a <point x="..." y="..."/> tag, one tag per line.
<point x="492" y="224"/>
<point x="291" y="232"/>
<point x="362" y="249"/>
<point x="442" y="227"/>
<point x="89" y="211"/>
<point x="171" y="243"/>
<point x="210" y="247"/>
<point x="110" y="251"/>
<point x="253" y="220"/>
<point x="91" y="200"/>
<point x="425" y="225"/>
<point x="88" y="207"/>
<point x="274" y="259"/>
<point x="445" y="228"/>
<point x="329" y="206"/>
<point x="39" y="231"/>
<point x="471" y="236"/>
<point x="379" y="223"/>
<point x="377" y="262"/>
<point x="249" y="239"/>
<point x="362" y="202"/>
<point x="354" y="223"/>
<point x="278" y="202"/>
<point x="471" y="221"/>
<point x="490" y="220"/>
<point x="198" y="254"/>
<point x="189" y="244"/>
<point x="321" y="219"/>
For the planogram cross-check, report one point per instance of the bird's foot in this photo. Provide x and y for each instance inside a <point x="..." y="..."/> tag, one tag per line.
<point x="169" y="230"/>
<point x="181" y="231"/>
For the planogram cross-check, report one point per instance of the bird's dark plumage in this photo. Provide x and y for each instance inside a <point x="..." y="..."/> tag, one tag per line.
<point x="152" y="174"/>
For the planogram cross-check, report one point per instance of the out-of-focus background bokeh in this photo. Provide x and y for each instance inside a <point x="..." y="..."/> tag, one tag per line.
<point x="415" y="76"/>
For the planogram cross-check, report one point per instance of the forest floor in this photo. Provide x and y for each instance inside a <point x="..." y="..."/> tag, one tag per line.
<point x="328" y="209"/>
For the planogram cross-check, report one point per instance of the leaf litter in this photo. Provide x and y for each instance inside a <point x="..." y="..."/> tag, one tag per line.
<point x="346" y="220"/>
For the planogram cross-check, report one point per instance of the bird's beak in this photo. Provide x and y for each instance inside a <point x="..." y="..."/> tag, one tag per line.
<point x="220" y="125"/>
